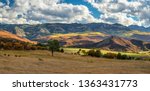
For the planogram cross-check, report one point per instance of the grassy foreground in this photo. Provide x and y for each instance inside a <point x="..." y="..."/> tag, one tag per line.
<point x="42" y="62"/>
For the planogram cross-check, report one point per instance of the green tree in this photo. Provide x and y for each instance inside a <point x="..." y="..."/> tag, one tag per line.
<point x="53" y="45"/>
<point x="119" y="56"/>
<point x="98" y="53"/>
<point x="124" y="56"/>
<point x="91" y="52"/>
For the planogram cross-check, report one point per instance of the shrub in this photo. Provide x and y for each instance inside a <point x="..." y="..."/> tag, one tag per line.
<point x="40" y="59"/>
<point x="110" y="55"/>
<point x="94" y="53"/>
<point x="124" y="56"/>
<point x="84" y="52"/>
<point x="98" y="53"/>
<point x="91" y="53"/>
<point x="62" y="50"/>
<point x="79" y="51"/>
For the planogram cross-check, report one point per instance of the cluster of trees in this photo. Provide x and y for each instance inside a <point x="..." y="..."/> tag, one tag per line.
<point x="16" y="45"/>
<point x="118" y="56"/>
<point x="10" y="44"/>
<point x="53" y="45"/>
<point x="98" y="53"/>
<point x="94" y="53"/>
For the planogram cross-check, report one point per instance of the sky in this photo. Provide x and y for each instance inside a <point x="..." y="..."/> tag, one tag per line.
<point x="126" y="12"/>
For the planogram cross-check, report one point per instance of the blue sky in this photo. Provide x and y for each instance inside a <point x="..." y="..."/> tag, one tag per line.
<point x="5" y="2"/>
<point x="94" y="11"/>
<point x="126" y="12"/>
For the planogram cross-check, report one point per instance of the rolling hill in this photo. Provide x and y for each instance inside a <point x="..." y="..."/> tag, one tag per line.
<point x="139" y="35"/>
<point x="73" y="39"/>
<point x="115" y="43"/>
<point x="9" y="36"/>
<point x="82" y="35"/>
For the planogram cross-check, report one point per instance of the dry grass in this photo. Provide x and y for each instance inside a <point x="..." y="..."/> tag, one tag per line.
<point x="42" y="62"/>
<point x="5" y="34"/>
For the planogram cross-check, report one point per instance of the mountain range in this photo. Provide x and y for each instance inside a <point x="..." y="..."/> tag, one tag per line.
<point x="97" y="35"/>
<point x="136" y="27"/>
<point x="41" y="30"/>
<point x="116" y="43"/>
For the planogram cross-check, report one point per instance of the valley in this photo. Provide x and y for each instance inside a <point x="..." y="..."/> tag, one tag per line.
<point x="117" y="49"/>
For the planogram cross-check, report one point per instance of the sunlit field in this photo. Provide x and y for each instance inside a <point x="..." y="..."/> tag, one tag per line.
<point x="40" y="61"/>
<point x="139" y="54"/>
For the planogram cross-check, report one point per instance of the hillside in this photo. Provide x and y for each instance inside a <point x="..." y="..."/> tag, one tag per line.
<point x="141" y="28"/>
<point x="140" y="44"/>
<point x="6" y="35"/>
<point x="139" y="35"/>
<point x="37" y="31"/>
<point x="73" y="39"/>
<point x="115" y="43"/>
<point x="40" y="30"/>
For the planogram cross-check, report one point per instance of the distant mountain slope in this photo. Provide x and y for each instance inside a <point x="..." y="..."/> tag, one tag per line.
<point x="39" y="30"/>
<point x="71" y="39"/>
<point x="140" y="44"/>
<point x="147" y="45"/>
<point x="141" y="28"/>
<point x="139" y="35"/>
<point x="115" y="43"/>
<point x="8" y="35"/>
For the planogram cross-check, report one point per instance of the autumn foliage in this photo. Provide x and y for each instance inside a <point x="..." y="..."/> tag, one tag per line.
<point x="8" y="44"/>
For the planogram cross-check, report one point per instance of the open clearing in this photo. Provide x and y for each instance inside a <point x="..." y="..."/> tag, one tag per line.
<point x="42" y="62"/>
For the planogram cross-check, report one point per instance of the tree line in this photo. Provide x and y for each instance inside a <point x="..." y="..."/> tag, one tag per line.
<point x="110" y="55"/>
<point x="17" y="45"/>
<point x="9" y="44"/>
<point x="53" y="45"/>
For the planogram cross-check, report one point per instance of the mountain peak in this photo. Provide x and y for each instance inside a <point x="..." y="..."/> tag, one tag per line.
<point x="117" y="44"/>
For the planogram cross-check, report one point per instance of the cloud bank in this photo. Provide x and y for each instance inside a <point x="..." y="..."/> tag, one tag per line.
<point x="126" y="12"/>
<point x="43" y="11"/>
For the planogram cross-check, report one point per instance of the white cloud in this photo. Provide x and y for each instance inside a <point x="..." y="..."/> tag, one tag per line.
<point x="8" y="2"/>
<point x="52" y="11"/>
<point x="123" y="11"/>
<point x="39" y="11"/>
